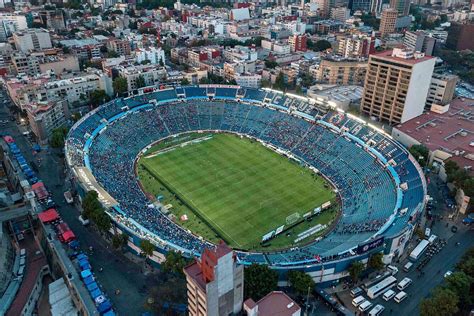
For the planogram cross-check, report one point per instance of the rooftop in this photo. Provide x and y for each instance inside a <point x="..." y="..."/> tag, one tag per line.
<point x="397" y="53"/>
<point x="275" y="303"/>
<point x="452" y="131"/>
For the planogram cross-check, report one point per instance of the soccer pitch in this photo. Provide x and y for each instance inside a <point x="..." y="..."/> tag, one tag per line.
<point x="238" y="186"/>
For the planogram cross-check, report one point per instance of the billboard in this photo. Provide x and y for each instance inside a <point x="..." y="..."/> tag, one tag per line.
<point x="268" y="236"/>
<point x="279" y="229"/>
<point x="370" y="245"/>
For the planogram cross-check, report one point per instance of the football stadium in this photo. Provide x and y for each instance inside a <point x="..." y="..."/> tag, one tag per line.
<point x="285" y="180"/>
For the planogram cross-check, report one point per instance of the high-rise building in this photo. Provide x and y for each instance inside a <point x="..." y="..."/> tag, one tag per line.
<point x="402" y="6"/>
<point x="340" y="14"/>
<point x="388" y="21"/>
<point x="10" y="23"/>
<point x="215" y="283"/>
<point x="419" y="41"/>
<point x="298" y="43"/>
<point x="396" y="85"/>
<point x="355" y="46"/>
<point x="461" y="36"/>
<point x="340" y="72"/>
<point x="441" y="89"/>
<point x="32" y="39"/>
<point x="363" y="5"/>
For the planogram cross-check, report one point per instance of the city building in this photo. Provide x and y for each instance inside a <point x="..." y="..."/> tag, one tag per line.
<point x="45" y="117"/>
<point x="340" y="14"/>
<point x="215" y="283"/>
<point x="356" y="46"/>
<point x="153" y="55"/>
<point x="442" y="89"/>
<point x="419" y="41"/>
<point x="151" y="75"/>
<point x="446" y="131"/>
<point x="298" y="43"/>
<point x="248" y="80"/>
<point x="275" y="303"/>
<point x="396" y="85"/>
<point x="32" y="39"/>
<point x="340" y="96"/>
<point x="276" y="46"/>
<point x="11" y="23"/>
<point x="362" y="5"/>
<point x="343" y="71"/>
<point x="121" y="47"/>
<point x="402" y="6"/>
<point x="388" y="21"/>
<point x="461" y="36"/>
<point x="42" y="62"/>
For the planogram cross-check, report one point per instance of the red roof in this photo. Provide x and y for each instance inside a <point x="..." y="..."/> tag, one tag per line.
<point x="68" y="236"/>
<point x="8" y="139"/>
<point x="48" y="216"/>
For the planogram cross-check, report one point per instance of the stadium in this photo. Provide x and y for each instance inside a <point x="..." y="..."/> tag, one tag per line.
<point x="285" y="180"/>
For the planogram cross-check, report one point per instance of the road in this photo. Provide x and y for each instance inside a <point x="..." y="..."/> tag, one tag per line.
<point x="118" y="271"/>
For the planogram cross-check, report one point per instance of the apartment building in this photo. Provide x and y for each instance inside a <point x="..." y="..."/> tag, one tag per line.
<point x="340" y="14"/>
<point x="41" y="62"/>
<point x="355" y="46"/>
<point x="277" y="47"/>
<point x="32" y="39"/>
<point x="121" y="47"/>
<point x="11" y="23"/>
<point x="298" y="43"/>
<point x="215" y="283"/>
<point x="343" y="71"/>
<point x="419" y="41"/>
<point x="153" y="55"/>
<point x="248" y="80"/>
<point x="388" y="21"/>
<point x="396" y="85"/>
<point x="44" y="117"/>
<point x="402" y="6"/>
<point x="151" y="74"/>
<point x="441" y="90"/>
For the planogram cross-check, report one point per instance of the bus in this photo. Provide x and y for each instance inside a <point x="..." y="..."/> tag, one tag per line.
<point x="419" y="249"/>
<point x="381" y="287"/>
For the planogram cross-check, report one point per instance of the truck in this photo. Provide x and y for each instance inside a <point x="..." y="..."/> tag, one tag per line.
<point x="68" y="197"/>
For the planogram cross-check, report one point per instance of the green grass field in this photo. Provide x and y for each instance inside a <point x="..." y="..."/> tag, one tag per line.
<point x="237" y="186"/>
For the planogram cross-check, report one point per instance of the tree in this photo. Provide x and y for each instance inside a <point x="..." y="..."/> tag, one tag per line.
<point x="93" y="210"/>
<point x="421" y="154"/>
<point x="300" y="282"/>
<point x="120" y="85"/>
<point x="175" y="262"/>
<point x="460" y="283"/>
<point x="271" y="64"/>
<point x="375" y="261"/>
<point x="57" y="137"/>
<point x="119" y="240"/>
<point x="321" y="45"/>
<point x="184" y="82"/>
<point x="112" y="54"/>
<point x="146" y="247"/>
<point x="355" y="270"/>
<point x="280" y="82"/>
<point x="259" y="281"/>
<point x="442" y="303"/>
<point x="98" y="97"/>
<point x="140" y="83"/>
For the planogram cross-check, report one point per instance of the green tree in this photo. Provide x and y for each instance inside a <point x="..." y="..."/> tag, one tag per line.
<point x="421" y="154"/>
<point x="140" y="83"/>
<point x="58" y="135"/>
<point x="375" y="261"/>
<point x="300" y="282"/>
<point x="119" y="240"/>
<point x="175" y="262"/>
<point x="321" y="45"/>
<point x="112" y="54"/>
<point x="146" y="247"/>
<point x="270" y="64"/>
<point x="355" y="270"/>
<point x="259" y="281"/>
<point x="460" y="283"/>
<point x="120" y="85"/>
<point x="467" y="266"/>
<point x="184" y="82"/>
<point x="280" y="82"/>
<point x="98" y="97"/>
<point x="443" y="302"/>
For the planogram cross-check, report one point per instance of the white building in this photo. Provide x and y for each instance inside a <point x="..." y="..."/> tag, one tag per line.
<point x="10" y="23"/>
<point x="153" y="54"/>
<point x="32" y="39"/>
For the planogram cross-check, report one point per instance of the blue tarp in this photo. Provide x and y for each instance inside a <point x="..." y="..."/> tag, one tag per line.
<point x="96" y="293"/>
<point x="91" y="287"/>
<point x="86" y="273"/>
<point x="104" y="307"/>
<point x="109" y="313"/>
<point x="89" y="280"/>
<point x="81" y="256"/>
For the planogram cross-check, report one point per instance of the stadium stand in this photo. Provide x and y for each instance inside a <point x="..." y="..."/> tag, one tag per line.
<point x="365" y="166"/>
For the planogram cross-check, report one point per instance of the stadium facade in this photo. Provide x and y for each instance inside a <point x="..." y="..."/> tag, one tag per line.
<point x="382" y="188"/>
